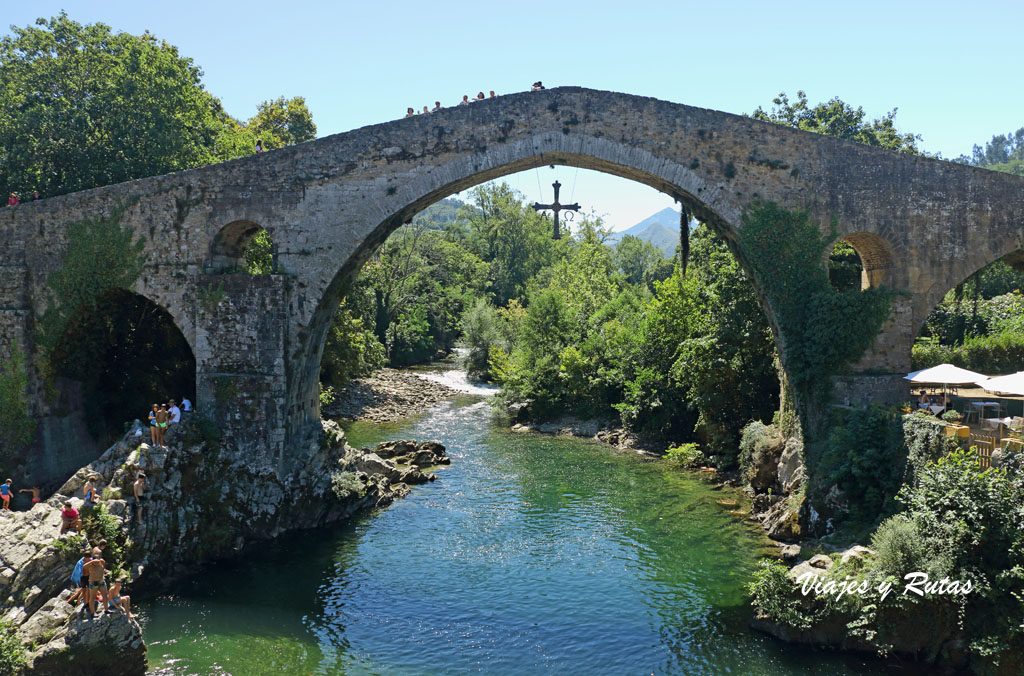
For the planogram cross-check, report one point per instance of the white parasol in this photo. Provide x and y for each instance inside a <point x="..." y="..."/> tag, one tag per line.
<point x="1011" y="384"/>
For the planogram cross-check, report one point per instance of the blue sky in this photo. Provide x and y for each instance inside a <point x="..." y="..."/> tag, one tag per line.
<point x="952" y="68"/>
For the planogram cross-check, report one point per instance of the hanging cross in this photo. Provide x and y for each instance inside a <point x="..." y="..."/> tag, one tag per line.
<point x="556" y="207"/>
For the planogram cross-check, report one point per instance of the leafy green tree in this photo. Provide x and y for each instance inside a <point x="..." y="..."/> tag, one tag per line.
<point x="83" y="106"/>
<point x="1005" y="152"/>
<point x="641" y="262"/>
<point x="513" y="239"/>
<point x="281" y="122"/>
<point x="839" y="119"/>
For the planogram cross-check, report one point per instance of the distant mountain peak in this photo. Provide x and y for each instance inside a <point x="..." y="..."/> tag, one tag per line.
<point x="660" y="229"/>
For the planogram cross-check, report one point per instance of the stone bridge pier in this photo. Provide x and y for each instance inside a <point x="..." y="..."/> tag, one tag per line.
<point x="920" y="226"/>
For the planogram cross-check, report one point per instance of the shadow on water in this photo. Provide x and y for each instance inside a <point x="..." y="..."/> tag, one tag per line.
<point x="529" y="555"/>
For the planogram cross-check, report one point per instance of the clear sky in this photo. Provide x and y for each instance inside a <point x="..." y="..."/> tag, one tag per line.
<point x="952" y="68"/>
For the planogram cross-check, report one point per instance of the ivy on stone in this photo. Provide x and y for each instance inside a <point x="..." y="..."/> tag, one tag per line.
<point x="101" y="255"/>
<point x="17" y="428"/>
<point x="823" y="330"/>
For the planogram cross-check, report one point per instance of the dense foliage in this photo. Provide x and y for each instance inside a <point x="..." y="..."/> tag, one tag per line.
<point x="1005" y="152"/>
<point x="958" y="522"/>
<point x="84" y="106"/>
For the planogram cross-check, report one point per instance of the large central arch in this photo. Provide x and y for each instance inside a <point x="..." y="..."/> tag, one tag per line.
<point x="711" y="205"/>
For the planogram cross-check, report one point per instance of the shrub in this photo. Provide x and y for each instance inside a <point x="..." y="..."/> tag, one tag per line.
<point x="773" y="594"/>
<point x="686" y="455"/>
<point x="952" y="416"/>
<point x="99" y="524"/>
<point x="900" y="547"/>
<point x="346" y="485"/>
<point x="13" y="656"/>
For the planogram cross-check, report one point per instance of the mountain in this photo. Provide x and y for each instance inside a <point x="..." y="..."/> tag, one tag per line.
<point x="660" y="229"/>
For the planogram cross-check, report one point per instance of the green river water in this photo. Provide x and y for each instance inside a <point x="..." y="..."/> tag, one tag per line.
<point x="529" y="555"/>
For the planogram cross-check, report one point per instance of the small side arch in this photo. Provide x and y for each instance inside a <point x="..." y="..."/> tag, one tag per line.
<point x="876" y="257"/>
<point x="230" y="246"/>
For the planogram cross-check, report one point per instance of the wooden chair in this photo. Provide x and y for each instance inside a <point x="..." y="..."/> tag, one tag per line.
<point x="984" y="445"/>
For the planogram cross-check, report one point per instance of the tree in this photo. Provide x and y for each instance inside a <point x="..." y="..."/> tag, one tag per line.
<point x="82" y="106"/>
<point x="1002" y="153"/>
<point x="839" y="119"/>
<point x="637" y="259"/>
<point x="281" y="122"/>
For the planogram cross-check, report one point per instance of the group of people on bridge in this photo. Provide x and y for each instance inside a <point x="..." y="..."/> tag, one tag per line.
<point x="410" y="112"/>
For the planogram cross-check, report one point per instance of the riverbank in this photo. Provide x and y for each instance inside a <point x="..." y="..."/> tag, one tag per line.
<point x="386" y="395"/>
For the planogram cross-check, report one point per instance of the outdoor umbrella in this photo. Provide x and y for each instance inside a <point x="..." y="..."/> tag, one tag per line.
<point x="945" y="374"/>
<point x="1011" y="384"/>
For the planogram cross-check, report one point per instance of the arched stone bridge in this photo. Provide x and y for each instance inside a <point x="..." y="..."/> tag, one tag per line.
<point x="920" y="226"/>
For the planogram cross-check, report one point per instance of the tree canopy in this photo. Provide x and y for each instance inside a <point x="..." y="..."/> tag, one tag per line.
<point x="837" y="118"/>
<point x="83" y="106"/>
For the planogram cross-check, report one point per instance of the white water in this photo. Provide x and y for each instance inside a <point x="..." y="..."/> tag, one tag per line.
<point x="455" y="378"/>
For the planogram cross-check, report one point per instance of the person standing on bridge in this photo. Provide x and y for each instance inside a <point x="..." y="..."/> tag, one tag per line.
<point x="12" y="200"/>
<point x="410" y="112"/>
<point x="259" y="146"/>
<point x="463" y="102"/>
<point x="437" y="107"/>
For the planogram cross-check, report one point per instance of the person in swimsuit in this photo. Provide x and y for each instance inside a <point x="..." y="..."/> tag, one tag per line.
<point x="79" y="579"/>
<point x="92" y="497"/>
<point x="139" y="493"/>
<point x="95" y="570"/>
<point x="162" y="416"/>
<point x="152" y="424"/>
<point x="35" y="494"/>
<point x="118" y="601"/>
<point x="5" y="493"/>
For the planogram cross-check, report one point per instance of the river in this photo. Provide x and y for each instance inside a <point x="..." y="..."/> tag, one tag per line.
<point x="530" y="555"/>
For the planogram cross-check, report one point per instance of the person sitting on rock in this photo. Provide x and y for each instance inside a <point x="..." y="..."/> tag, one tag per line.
<point x="5" y="494"/>
<point x="118" y="601"/>
<point x="175" y="413"/>
<point x="92" y="496"/>
<point x="139" y="494"/>
<point x="70" y="518"/>
<point x="95" y="570"/>
<point x="35" y="494"/>
<point x="186" y="405"/>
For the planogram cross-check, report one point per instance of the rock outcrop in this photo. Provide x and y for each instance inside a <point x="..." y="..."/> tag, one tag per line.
<point x="204" y="501"/>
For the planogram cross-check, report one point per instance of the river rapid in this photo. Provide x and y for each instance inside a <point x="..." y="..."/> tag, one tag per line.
<point x="529" y="555"/>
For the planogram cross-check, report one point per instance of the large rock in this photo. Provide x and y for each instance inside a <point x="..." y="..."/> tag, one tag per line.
<point x="790" y="470"/>
<point x="204" y="501"/>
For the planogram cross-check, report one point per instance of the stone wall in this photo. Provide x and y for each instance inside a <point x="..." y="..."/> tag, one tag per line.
<point x="921" y="225"/>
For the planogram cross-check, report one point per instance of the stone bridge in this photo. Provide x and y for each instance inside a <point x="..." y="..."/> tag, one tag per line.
<point x="920" y="226"/>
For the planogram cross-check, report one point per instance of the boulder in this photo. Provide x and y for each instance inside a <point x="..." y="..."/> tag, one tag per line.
<point x="856" y="552"/>
<point x="790" y="471"/>
<point x="790" y="553"/>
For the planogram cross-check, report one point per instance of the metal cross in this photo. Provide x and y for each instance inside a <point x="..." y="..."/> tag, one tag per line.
<point x="556" y="207"/>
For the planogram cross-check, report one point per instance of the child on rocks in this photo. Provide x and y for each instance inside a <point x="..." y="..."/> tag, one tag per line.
<point x="5" y="493"/>
<point x="35" y="494"/>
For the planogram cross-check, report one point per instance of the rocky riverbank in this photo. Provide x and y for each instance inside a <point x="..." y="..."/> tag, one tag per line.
<point x="587" y="429"/>
<point x="385" y="396"/>
<point x="203" y="502"/>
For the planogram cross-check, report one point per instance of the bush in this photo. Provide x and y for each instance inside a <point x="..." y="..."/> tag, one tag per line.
<point x="952" y="417"/>
<point x="900" y="547"/>
<point x="346" y="485"/>
<point x="99" y="524"/>
<point x="865" y="456"/>
<point x="686" y="455"/>
<point x="773" y="594"/>
<point x="13" y="656"/>
<point x="997" y="353"/>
